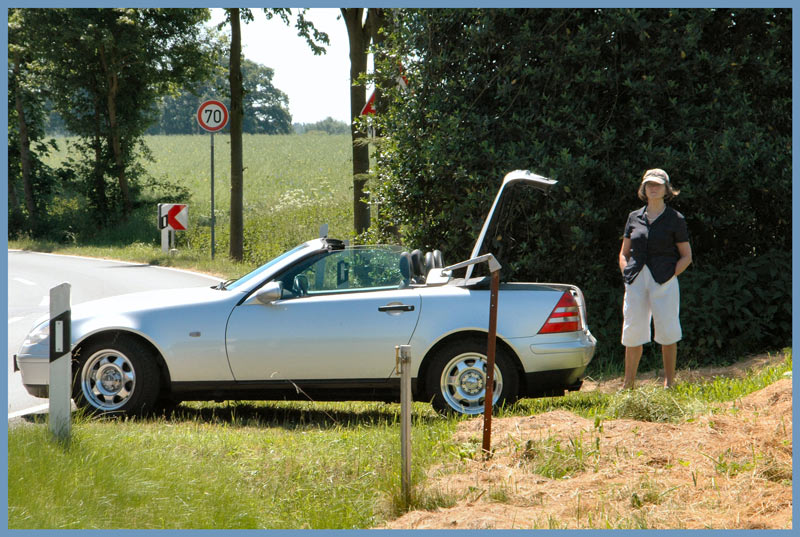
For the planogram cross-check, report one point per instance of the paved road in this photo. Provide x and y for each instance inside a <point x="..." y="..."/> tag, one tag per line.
<point x="32" y="275"/>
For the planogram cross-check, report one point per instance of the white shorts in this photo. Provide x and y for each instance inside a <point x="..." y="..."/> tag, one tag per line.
<point x="646" y="299"/>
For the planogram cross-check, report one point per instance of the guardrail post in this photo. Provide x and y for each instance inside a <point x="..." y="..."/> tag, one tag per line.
<point x="60" y="389"/>
<point x="403" y="360"/>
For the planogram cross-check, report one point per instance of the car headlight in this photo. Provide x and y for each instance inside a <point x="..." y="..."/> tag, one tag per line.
<point x="38" y="334"/>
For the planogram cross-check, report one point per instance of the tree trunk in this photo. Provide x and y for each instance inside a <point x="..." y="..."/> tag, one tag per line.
<point x="359" y="41"/>
<point x="24" y="146"/>
<point x="112" y="79"/>
<point x="97" y="191"/>
<point x="13" y="202"/>
<point x="237" y="115"/>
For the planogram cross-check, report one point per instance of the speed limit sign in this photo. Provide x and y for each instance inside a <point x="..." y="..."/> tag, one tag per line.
<point x="212" y="116"/>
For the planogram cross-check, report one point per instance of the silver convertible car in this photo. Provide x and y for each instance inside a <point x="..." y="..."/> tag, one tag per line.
<point x="321" y="321"/>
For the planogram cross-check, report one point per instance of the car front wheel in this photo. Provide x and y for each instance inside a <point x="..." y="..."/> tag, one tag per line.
<point x="117" y="375"/>
<point x="457" y="378"/>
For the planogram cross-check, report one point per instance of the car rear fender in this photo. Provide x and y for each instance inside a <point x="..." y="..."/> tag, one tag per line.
<point x="478" y="335"/>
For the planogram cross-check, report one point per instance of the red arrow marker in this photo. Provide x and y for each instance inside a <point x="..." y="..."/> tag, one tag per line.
<point x="172" y="219"/>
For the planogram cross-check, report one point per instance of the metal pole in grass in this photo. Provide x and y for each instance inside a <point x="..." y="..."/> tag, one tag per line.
<point x="212" y="115"/>
<point x="403" y="362"/>
<point x="213" y="216"/>
<point x="60" y="389"/>
<point x="494" y="270"/>
<point x="490" y="358"/>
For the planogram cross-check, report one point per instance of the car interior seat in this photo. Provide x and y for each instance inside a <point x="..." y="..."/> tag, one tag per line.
<point x="417" y="267"/>
<point x="433" y="260"/>
<point x="406" y="269"/>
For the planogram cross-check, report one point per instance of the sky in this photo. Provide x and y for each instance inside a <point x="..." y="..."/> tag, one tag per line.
<point x="317" y="86"/>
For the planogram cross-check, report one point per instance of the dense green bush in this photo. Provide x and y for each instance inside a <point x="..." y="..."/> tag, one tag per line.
<point x="592" y="98"/>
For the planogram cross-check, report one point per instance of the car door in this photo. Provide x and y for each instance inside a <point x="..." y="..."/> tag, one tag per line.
<point x="340" y="318"/>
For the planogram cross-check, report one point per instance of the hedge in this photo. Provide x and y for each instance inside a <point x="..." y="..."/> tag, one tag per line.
<point x="592" y="98"/>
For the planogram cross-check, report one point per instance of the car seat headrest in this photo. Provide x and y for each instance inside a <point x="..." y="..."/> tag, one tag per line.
<point x="417" y="269"/>
<point x="405" y="267"/>
<point x="438" y="260"/>
<point x="429" y="261"/>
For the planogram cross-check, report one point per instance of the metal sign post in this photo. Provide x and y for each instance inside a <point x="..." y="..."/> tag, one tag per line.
<point x="60" y="389"/>
<point x="403" y="361"/>
<point x="213" y="216"/>
<point x="490" y="358"/>
<point x="212" y="116"/>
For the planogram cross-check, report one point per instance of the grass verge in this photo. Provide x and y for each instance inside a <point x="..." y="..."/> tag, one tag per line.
<point x="682" y="402"/>
<point x="284" y="464"/>
<point x="266" y="465"/>
<point x="138" y="252"/>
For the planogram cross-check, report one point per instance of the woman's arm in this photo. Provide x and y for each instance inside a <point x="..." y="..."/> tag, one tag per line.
<point x="685" y="250"/>
<point x="625" y="253"/>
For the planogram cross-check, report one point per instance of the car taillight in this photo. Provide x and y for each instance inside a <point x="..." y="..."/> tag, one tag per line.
<point x="565" y="317"/>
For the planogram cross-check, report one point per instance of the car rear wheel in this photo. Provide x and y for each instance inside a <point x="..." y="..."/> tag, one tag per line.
<point x="457" y="378"/>
<point x="117" y="375"/>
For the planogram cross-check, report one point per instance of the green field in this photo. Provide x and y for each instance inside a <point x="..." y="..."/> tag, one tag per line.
<point x="292" y="185"/>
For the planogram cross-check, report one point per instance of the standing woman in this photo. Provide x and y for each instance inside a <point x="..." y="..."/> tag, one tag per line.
<point x="655" y="250"/>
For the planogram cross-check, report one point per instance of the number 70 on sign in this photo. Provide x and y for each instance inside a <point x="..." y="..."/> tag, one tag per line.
<point x="212" y="116"/>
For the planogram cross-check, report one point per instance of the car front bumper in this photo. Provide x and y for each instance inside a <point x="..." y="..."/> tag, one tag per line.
<point x="35" y="371"/>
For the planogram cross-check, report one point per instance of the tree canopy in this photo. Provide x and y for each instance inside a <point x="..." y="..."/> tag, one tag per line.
<point x="104" y="70"/>
<point x="266" y="108"/>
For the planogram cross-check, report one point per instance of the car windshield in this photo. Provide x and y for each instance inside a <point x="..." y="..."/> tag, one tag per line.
<point x="263" y="268"/>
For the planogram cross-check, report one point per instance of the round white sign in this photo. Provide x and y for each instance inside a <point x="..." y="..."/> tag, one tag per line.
<point x="212" y="116"/>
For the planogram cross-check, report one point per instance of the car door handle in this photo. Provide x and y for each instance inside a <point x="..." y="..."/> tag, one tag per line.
<point x="396" y="307"/>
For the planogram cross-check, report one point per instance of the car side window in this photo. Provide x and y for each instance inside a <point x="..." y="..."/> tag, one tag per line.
<point x="349" y="270"/>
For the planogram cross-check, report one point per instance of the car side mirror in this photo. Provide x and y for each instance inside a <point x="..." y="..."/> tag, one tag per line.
<point x="269" y="293"/>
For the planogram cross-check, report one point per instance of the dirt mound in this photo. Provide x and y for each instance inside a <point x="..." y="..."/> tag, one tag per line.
<point x="730" y="469"/>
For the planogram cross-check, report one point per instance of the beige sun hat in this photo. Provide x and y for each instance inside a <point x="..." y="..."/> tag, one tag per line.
<point x="656" y="175"/>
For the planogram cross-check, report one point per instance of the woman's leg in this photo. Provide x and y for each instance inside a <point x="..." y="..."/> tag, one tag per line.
<point x="670" y="355"/>
<point x="666" y="318"/>
<point x="632" y="357"/>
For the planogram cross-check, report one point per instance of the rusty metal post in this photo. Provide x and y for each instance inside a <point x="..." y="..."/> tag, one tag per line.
<point x="494" y="270"/>
<point x="490" y="359"/>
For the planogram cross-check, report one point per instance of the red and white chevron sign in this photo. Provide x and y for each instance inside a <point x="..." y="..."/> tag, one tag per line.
<point x="173" y="216"/>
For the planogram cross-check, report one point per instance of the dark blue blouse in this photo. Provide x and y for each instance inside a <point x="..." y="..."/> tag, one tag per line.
<point x="654" y="243"/>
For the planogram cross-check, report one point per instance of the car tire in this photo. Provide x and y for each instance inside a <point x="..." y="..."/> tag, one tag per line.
<point x="118" y="375"/>
<point x="457" y="376"/>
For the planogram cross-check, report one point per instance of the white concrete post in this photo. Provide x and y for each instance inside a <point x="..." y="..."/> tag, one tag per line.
<point x="165" y="240"/>
<point x="60" y="390"/>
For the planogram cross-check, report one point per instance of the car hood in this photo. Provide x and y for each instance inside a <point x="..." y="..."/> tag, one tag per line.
<point x="150" y="301"/>
<point x="145" y="302"/>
